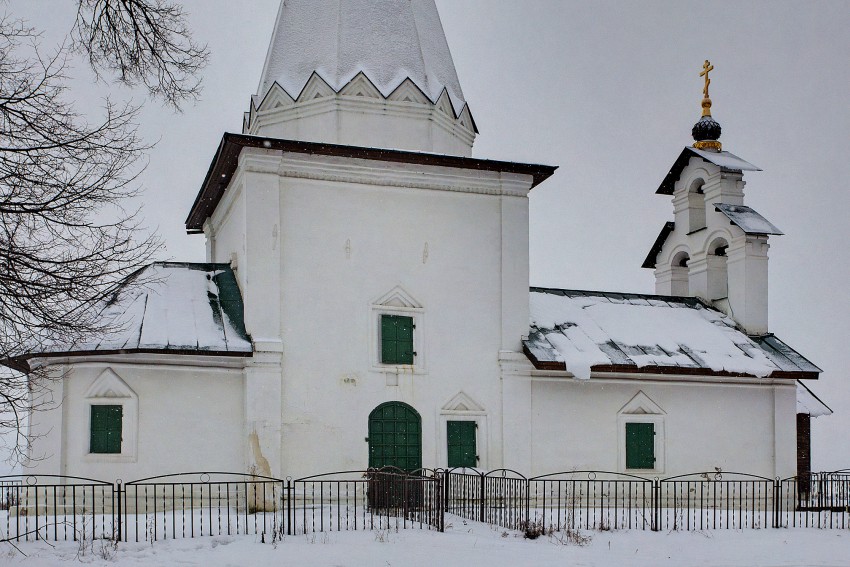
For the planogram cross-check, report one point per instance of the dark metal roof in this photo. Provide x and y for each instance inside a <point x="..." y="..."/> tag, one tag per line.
<point x="227" y="157"/>
<point x="649" y="262"/>
<point x="783" y="355"/>
<point x="747" y="219"/>
<point x="684" y="360"/>
<point x="165" y="307"/>
<point x="727" y="161"/>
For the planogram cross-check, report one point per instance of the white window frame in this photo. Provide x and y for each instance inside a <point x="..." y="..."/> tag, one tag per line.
<point x="397" y="302"/>
<point x="463" y="408"/>
<point x="110" y="390"/>
<point x="641" y="409"/>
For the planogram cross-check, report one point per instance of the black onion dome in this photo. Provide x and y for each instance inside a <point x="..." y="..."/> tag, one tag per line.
<point x="707" y="128"/>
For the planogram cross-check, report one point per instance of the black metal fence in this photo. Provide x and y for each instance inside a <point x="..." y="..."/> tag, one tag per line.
<point x="357" y="500"/>
<point x="598" y="500"/>
<point x="51" y="507"/>
<point x="591" y="500"/>
<point x="200" y="504"/>
<point x="218" y="503"/>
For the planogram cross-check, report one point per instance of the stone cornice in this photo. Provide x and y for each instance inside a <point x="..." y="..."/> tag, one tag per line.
<point x="345" y="170"/>
<point x="511" y="176"/>
<point x="142" y="359"/>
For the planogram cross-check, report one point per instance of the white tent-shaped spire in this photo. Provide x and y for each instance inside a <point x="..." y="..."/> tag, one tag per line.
<point x="391" y="55"/>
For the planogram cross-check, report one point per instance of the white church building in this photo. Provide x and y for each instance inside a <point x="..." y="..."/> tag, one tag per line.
<point x="365" y="300"/>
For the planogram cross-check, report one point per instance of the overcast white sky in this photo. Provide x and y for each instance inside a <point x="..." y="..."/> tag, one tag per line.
<point x="609" y="92"/>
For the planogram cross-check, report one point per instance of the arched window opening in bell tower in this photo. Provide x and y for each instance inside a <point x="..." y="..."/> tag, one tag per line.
<point x="718" y="275"/>
<point x="679" y="276"/>
<point x="696" y="206"/>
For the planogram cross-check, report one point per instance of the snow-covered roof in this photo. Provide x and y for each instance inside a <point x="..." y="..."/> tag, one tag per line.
<point x="808" y="402"/>
<point x="580" y="331"/>
<point x="725" y="160"/>
<point x="747" y="219"/>
<point x="168" y="306"/>
<point x="337" y="39"/>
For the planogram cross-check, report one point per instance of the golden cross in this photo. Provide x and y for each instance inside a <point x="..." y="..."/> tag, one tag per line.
<point x="706" y="67"/>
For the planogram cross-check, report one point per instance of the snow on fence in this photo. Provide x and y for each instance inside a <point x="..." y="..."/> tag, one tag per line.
<point x="215" y="503"/>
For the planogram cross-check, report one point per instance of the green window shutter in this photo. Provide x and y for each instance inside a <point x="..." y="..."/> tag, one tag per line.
<point x="460" y="437"/>
<point x="105" y="429"/>
<point x="396" y="339"/>
<point x="640" y="445"/>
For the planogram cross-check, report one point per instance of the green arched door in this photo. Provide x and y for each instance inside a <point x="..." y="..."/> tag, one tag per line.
<point x="395" y="437"/>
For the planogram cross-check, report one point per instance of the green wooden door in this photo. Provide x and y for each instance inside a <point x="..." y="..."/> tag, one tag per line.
<point x="395" y="437"/>
<point x="461" y="444"/>
<point x="640" y="445"/>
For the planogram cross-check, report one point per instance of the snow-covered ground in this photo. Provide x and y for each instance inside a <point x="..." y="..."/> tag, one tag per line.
<point x="464" y="543"/>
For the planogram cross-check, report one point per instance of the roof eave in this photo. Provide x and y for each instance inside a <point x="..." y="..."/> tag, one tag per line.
<point x="22" y="364"/>
<point x="667" y="185"/>
<point x="649" y="262"/>
<point x="666" y="370"/>
<point x="226" y="159"/>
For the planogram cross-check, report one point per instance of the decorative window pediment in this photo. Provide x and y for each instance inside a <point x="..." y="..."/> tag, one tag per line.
<point x="397" y="297"/>
<point x="112" y="418"/>
<point x="641" y="404"/>
<point x="110" y="385"/>
<point x="461" y="402"/>
<point x="641" y="435"/>
<point x="463" y="431"/>
<point x="397" y="323"/>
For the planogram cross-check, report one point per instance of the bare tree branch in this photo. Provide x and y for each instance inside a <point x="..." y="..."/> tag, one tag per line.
<point x="142" y="42"/>
<point x="66" y="240"/>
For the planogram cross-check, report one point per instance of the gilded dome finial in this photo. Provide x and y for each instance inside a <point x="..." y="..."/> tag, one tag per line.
<point x="706" y="131"/>
<point x="706" y="102"/>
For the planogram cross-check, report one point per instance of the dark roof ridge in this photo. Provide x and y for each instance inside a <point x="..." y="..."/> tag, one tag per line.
<point x="624" y="295"/>
<point x="190" y="265"/>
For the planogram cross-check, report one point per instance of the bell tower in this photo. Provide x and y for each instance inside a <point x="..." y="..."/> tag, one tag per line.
<point x="716" y="247"/>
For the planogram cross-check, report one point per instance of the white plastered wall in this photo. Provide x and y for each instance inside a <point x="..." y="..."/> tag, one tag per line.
<point x="349" y="232"/>
<point x="186" y="412"/>
<point x="737" y="427"/>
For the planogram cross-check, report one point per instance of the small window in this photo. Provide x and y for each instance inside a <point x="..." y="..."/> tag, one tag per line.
<point x="461" y="444"/>
<point x="105" y="429"/>
<point x="640" y="445"/>
<point x="397" y="339"/>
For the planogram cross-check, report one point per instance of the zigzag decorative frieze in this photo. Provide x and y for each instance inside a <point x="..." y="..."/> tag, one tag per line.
<point x="316" y="87"/>
<point x="360" y="86"/>
<point x="407" y="91"/>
